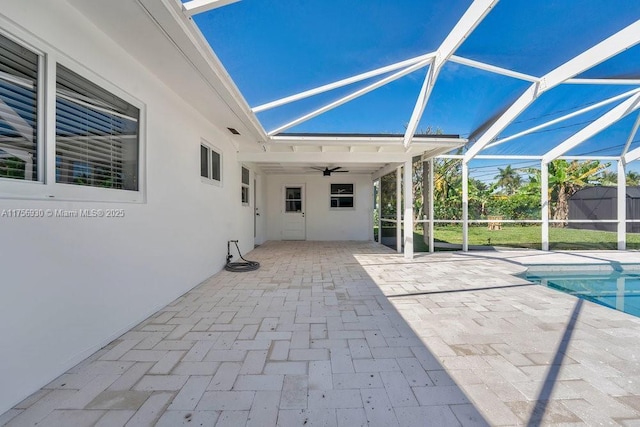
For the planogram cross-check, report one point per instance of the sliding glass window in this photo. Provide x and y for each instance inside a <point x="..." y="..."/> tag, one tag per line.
<point x="97" y="135"/>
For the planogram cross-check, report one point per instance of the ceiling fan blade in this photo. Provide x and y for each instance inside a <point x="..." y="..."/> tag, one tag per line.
<point x="318" y="169"/>
<point x="335" y="169"/>
<point x="340" y="171"/>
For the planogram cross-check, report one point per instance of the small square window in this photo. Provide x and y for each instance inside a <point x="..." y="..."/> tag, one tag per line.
<point x="210" y="164"/>
<point x="342" y="196"/>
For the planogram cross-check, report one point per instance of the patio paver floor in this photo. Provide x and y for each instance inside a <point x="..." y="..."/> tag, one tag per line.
<point x="350" y="333"/>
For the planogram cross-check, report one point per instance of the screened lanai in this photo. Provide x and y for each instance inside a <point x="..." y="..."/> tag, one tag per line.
<point x="544" y="100"/>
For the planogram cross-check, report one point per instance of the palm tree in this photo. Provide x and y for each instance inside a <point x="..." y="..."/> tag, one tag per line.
<point x="508" y="179"/>
<point x="633" y="178"/>
<point x="609" y="178"/>
<point x="565" y="179"/>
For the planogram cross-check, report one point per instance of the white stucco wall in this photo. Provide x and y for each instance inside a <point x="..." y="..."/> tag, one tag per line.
<point x="323" y="223"/>
<point x="71" y="285"/>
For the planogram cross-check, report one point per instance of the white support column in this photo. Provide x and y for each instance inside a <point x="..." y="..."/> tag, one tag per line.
<point x="431" y="209"/>
<point x="379" y="203"/>
<point x="544" y="203"/>
<point x="408" y="209"/>
<point x="399" y="209"/>
<point x="465" y="206"/>
<point x="622" y="206"/>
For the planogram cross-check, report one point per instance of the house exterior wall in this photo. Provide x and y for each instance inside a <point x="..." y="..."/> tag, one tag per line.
<point x="322" y="222"/>
<point x="71" y="285"/>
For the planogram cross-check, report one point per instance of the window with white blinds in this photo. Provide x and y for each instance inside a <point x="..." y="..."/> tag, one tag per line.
<point x="96" y="135"/>
<point x="18" y="111"/>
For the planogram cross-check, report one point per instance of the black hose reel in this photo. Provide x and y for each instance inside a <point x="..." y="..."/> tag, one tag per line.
<point x="239" y="267"/>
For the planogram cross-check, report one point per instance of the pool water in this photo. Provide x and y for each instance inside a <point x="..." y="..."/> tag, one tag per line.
<point x="618" y="290"/>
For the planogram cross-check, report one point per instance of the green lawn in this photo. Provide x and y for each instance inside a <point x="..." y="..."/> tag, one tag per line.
<point x="517" y="236"/>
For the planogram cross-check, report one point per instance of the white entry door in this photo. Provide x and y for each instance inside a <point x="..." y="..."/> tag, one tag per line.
<point x="294" y="226"/>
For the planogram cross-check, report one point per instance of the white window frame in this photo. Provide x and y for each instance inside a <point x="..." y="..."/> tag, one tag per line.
<point x="245" y="186"/>
<point x="46" y="187"/>
<point x="352" y="195"/>
<point x="211" y="149"/>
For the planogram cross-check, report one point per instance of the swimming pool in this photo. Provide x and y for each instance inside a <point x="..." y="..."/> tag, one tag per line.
<point x="618" y="290"/>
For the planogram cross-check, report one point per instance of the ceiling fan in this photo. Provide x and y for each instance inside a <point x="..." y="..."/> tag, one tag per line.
<point x="327" y="172"/>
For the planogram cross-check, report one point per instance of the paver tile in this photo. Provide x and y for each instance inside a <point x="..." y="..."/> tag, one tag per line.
<point x="351" y="333"/>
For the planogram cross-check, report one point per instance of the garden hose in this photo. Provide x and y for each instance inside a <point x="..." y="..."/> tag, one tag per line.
<point x="239" y="267"/>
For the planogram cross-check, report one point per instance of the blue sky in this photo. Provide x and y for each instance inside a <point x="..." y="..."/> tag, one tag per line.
<point x="274" y="49"/>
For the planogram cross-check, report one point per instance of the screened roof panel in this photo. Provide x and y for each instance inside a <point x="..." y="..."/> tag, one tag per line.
<point x="536" y="37"/>
<point x="543" y="140"/>
<point x="635" y="143"/>
<point x="465" y="97"/>
<point x="622" y="66"/>
<point x="609" y="142"/>
<point x="384" y="110"/>
<point x="564" y="100"/>
<point x="275" y="49"/>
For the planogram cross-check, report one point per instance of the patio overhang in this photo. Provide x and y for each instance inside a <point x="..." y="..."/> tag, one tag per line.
<point x="295" y="153"/>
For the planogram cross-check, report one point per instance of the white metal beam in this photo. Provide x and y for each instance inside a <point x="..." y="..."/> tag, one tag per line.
<point x="421" y="103"/>
<point x="378" y="140"/>
<point x="623" y="82"/>
<point x="469" y="21"/>
<point x="194" y="7"/>
<point x="632" y="135"/>
<point x="598" y="125"/>
<point x="565" y="117"/>
<point x="341" y="83"/>
<point x="352" y="96"/>
<point x="492" y="68"/>
<point x="632" y="155"/>
<point x="620" y="41"/>
<point x="386" y="170"/>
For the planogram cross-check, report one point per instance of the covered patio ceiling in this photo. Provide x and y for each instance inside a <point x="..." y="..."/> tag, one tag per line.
<point x="514" y="79"/>
<point x="300" y="153"/>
